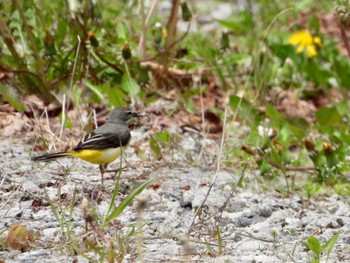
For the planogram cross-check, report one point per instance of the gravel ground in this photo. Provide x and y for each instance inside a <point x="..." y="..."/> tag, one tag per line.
<point x="246" y="222"/>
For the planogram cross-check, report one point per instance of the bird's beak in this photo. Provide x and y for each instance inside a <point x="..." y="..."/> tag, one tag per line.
<point x="139" y="114"/>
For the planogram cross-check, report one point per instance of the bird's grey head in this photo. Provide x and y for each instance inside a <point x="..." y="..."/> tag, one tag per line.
<point x="122" y="114"/>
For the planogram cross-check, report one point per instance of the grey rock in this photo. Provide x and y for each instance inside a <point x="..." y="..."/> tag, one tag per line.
<point x="265" y="211"/>
<point x="340" y="222"/>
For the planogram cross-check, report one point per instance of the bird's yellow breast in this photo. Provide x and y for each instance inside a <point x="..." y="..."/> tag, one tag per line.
<point x="98" y="156"/>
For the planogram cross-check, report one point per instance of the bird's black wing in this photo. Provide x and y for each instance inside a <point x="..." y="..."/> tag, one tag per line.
<point x="99" y="141"/>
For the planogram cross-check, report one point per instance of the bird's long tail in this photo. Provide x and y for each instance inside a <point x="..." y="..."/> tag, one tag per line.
<point x="50" y="156"/>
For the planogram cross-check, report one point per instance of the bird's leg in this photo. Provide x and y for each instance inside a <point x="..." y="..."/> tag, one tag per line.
<point x="103" y="168"/>
<point x="115" y="171"/>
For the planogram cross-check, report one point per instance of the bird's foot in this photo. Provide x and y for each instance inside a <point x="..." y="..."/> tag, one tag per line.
<point x="115" y="171"/>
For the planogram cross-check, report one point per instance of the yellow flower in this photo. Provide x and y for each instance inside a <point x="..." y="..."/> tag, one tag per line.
<point x="305" y="41"/>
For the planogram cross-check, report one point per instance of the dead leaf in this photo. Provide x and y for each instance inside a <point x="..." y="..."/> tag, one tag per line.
<point x="19" y="238"/>
<point x="13" y="124"/>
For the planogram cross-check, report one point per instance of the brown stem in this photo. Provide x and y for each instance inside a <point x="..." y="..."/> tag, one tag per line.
<point x="116" y="67"/>
<point x="172" y="23"/>
<point x="21" y="71"/>
<point x="171" y="28"/>
<point x="344" y="38"/>
<point x="63" y="77"/>
<point x="105" y="239"/>
<point x="180" y="39"/>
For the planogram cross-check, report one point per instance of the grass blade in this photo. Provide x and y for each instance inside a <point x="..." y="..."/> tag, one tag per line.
<point x="127" y="201"/>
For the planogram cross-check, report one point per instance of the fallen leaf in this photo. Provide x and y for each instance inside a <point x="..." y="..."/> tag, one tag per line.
<point x="19" y="238"/>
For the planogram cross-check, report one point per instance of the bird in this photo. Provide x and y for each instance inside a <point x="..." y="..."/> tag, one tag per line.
<point x="103" y="145"/>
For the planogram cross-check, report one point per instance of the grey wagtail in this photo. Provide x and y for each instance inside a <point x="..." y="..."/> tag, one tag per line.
<point x="104" y="144"/>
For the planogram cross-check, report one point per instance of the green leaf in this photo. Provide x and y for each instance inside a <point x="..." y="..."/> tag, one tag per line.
<point x="299" y="127"/>
<point x="96" y="91"/>
<point x="241" y="22"/>
<point x="303" y="4"/>
<point x="115" y="191"/>
<point x="190" y="106"/>
<point x="130" y="85"/>
<point x="164" y="138"/>
<point x="143" y="76"/>
<point x="61" y="32"/>
<point x="15" y="15"/>
<point x="264" y="167"/>
<point x="282" y="50"/>
<point x="328" y="116"/>
<point x="285" y="133"/>
<point x="209" y="247"/>
<point x="330" y="244"/>
<point x="275" y="116"/>
<point x="314" y="245"/>
<point x="127" y="201"/>
<point x="113" y="96"/>
<point x="244" y="108"/>
<point x="31" y="17"/>
<point x="341" y="67"/>
<point x="238" y="58"/>
<point x="219" y="240"/>
<point x="123" y="33"/>
<point x="155" y="149"/>
<point x="210" y="54"/>
<point x="116" y="97"/>
<point x="316" y="73"/>
<point x="10" y="95"/>
<point x="343" y="107"/>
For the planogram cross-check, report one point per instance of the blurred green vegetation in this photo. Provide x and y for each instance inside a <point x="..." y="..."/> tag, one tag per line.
<point x="97" y="52"/>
